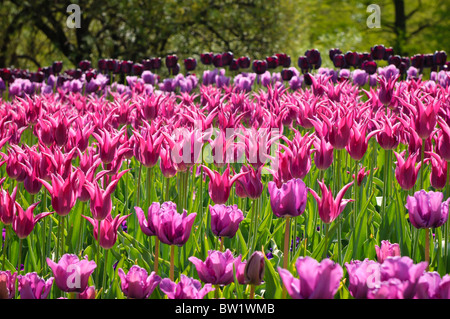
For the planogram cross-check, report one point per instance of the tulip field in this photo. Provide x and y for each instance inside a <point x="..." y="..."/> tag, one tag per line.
<point x="227" y="178"/>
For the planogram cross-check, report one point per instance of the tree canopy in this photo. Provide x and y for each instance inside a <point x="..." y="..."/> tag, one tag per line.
<point x="34" y="32"/>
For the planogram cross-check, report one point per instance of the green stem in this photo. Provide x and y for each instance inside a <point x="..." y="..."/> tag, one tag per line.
<point x="5" y="247"/>
<point x="252" y="291"/>
<point x="149" y="186"/>
<point x="427" y="246"/>
<point x="138" y="198"/>
<point x="286" y="251"/>
<point x="446" y="226"/>
<point x="325" y="249"/>
<point x="105" y="265"/>
<point x="172" y="262"/>
<point x="19" y="261"/>
<point x="156" y="255"/>
<point x="99" y="230"/>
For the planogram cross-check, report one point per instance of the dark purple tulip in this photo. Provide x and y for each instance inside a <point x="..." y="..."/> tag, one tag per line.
<point x="378" y="52"/>
<point x="84" y="65"/>
<point x="171" y="61"/>
<point x="333" y="52"/>
<point x="155" y="63"/>
<point x="428" y="60"/>
<point x="426" y="210"/>
<point x="440" y="57"/>
<point x="395" y="60"/>
<point x="176" y="69"/>
<point x="206" y="58"/>
<point x="138" y="69"/>
<point x="217" y="60"/>
<point x="234" y="65"/>
<point x="313" y="57"/>
<point x="111" y="65"/>
<point x="287" y="74"/>
<point x="137" y="284"/>
<point x="272" y="62"/>
<point x="227" y="57"/>
<point x="254" y="269"/>
<point x="303" y="64"/>
<point x="370" y="67"/>
<point x="388" y="53"/>
<point x="259" y="66"/>
<point x="417" y="61"/>
<point x="147" y="64"/>
<point x="402" y="68"/>
<point x="284" y="60"/>
<point x="308" y="79"/>
<point x="339" y="60"/>
<point x="225" y="220"/>
<point x="126" y="66"/>
<point x="190" y="64"/>
<point x="244" y="62"/>
<point x="290" y="199"/>
<point x="57" y="67"/>
<point x="90" y="75"/>
<point x="101" y="64"/>
<point x="351" y="58"/>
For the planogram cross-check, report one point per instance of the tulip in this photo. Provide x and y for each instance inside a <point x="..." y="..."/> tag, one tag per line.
<point x="386" y="91"/>
<point x="244" y="62"/>
<point x="7" y="284"/>
<point x="7" y="203"/>
<point x="64" y="192"/>
<point x="190" y="64"/>
<point x="225" y="220"/>
<point x="206" y="58"/>
<point x="171" y="227"/>
<point x="187" y="288"/>
<point x="259" y="66"/>
<point x="219" y="186"/>
<point x="323" y="153"/>
<point x="317" y="280"/>
<point x="363" y="276"/>
<point x="426" y="209"/>
<point x="387" y="250"/>
<point x="108" y="144"/>
<point x="388" y="136"/>
<point x="340" y="130"/>
<point x="137" y="284"/>
<point x="24" y="221"/>
<point x="443" y="140"/>
<point x="358" y="141"/>
<point x="289" y="200"/>
<point x="72" y="274"/>
<point x="167" y="166"/>
<point x="145" y="222"/>
<point x="438" y="176"/>
<point x="428" y="286"/>
<point x="31" y="286"/>
<point x="147" y="147"/>
<point x="108" y="229"/>
<point x="89" y="293"/>
<point x="406" y="172"/>
<point x="250" y="184"/>
<point x="330" y="208"/>
<point x="171" y="61"/>
<point x="254" y="269"/>
<point x="217" y="269"/>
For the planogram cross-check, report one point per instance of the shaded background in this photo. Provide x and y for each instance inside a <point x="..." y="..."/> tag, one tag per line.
<point x="34" y="32"/>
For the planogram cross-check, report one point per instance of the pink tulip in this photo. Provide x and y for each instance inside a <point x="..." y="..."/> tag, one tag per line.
<point x="7" y="284"/>
<point x="108" y="229"/>
<point x="24" y="221"/>
<point x="220" y="185"/>
<point x="387" y="250"/>
<point x="358" y="141"/>
<point x="31" y="286"/>
<point x="7" y="206"/>
<point x="406" y="172"/>
<point x="137" y="284"/>
<point x="323" y="153"/>
<point x="330" y="208"/>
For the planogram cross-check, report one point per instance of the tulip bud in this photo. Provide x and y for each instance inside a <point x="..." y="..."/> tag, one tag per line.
<point x="254" y="269"/>
<point x="206" y="58"/>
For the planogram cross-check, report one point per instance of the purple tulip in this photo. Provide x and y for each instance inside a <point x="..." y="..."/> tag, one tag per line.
<point x="187" y="288"/>
<point x="254" y="269"/>
<point x="72" y="274"/>
<point x="172" y="228"/>
<point x="317" y="280"/>
<point x="7" y="284"/>
<point x="31" y="286"/>
<point x="290" y="199"/>
<point x="137" y="284"/>
<point x="225" y="220"/>
<point x="426" y="210"/>
<point x="363" y="275"/>
<point x="217" y="269"/>
<point x="387" y="250"/>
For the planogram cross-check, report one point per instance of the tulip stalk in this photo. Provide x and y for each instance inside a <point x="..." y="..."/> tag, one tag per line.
<point x="172" y="262"/>
<point x="286" y="251"/>
<point x="252" y="291"/>
<point x="105" y="265"/>
<point x="446" y="226"/>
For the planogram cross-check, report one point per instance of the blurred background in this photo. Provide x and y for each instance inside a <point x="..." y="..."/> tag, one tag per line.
<point x="34" y="32"/>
